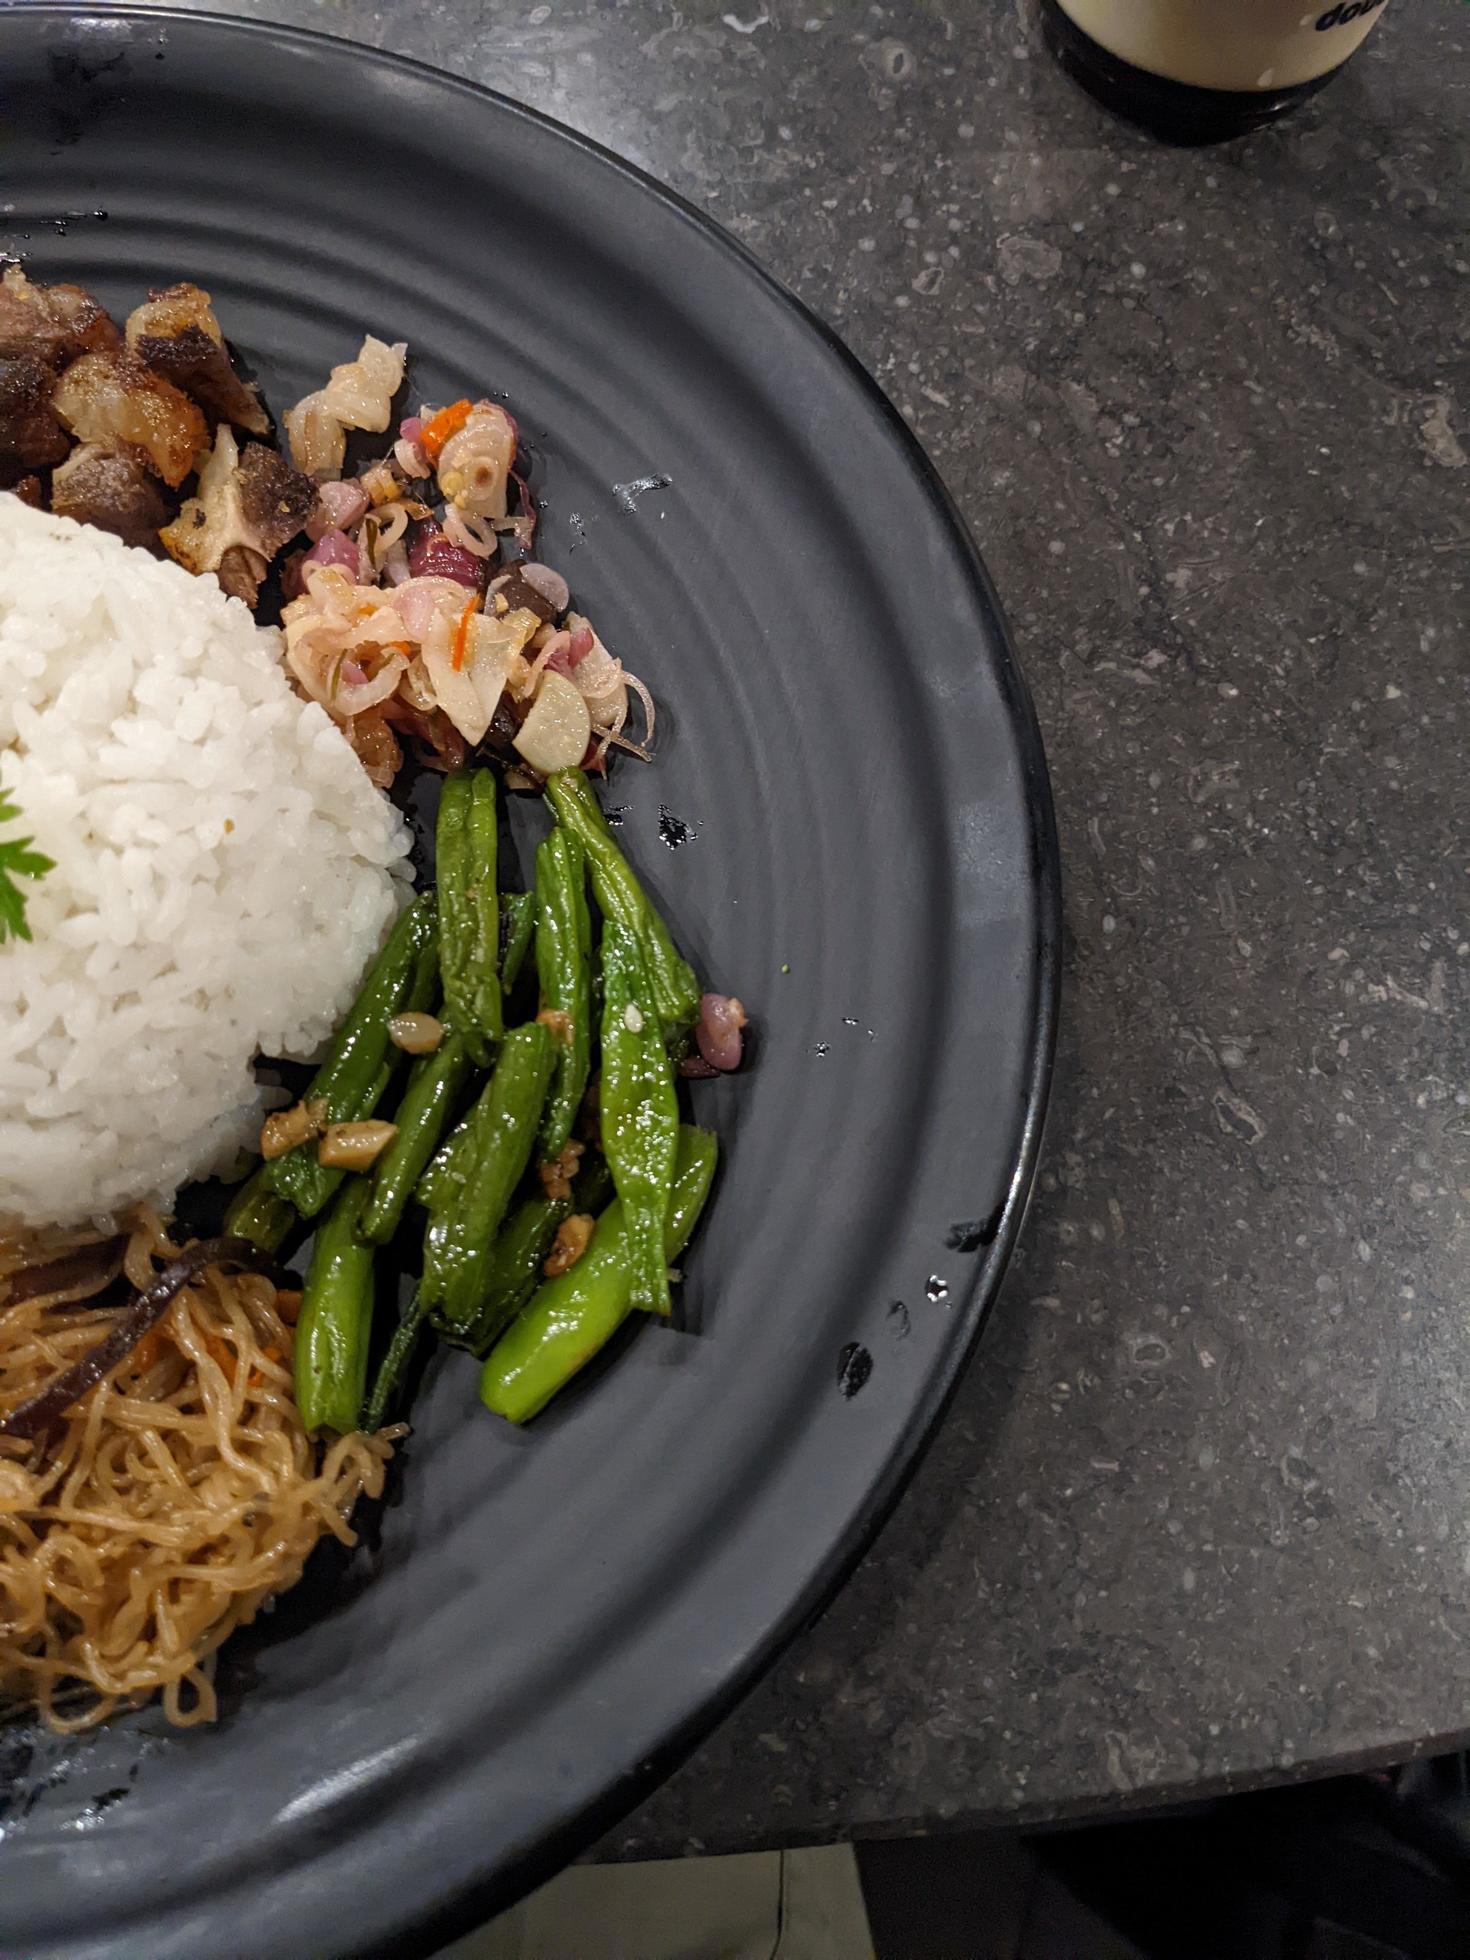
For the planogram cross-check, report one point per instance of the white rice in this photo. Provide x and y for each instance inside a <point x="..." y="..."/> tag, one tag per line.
<point x="224" y="871"/>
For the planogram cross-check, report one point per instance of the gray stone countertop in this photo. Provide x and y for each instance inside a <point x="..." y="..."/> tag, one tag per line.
<point x="1200" y="1515"/>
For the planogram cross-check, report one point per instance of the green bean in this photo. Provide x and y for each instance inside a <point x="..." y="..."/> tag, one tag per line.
<point x="435" y="1174"/>
<point x="564" y="967"/>
<point x="435" y="1085"/>
<point x="639" y="1110"/>
<point x="362" y="1058"/>
<point x="621" y="897"/>
<point x="489" y="1155"/>
<point x="394" y="1365"/>
<point x="522" y="1245"/>
<point x="469" y="910"/>
<point x="258" y="1214"/>
<point x="336" y="1317"/>
<point x="518" y="909"/>
<point x="569" y="1318"/>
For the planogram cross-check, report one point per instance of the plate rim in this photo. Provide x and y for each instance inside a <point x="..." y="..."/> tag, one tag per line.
<point x="594" y="1818"/>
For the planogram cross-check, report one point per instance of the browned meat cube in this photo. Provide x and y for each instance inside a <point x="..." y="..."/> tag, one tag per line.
<point x="112" y="489"/>
<point x="113" y="401"/>
<point x="248" y="505"/>
<point x="55" y="323"/>
<point x="175" y="333"/>
<point x="31" y="438"/>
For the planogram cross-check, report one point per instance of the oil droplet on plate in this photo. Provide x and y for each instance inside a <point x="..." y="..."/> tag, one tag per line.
<point x="936" y="1288"/>
<point x="854" y="1365"/>
<point x="628" y="493"/>
<point x="673" y="830"/>
<point x="822" y="1048"/>
<point x="616" y="814"/>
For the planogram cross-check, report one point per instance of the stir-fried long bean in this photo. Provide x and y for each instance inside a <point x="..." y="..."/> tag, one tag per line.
<point x="564" y="968"/>
<point x="394" y="1365"/>
<point x="259" y="1214"/>
<point x="568" y="1319"/>
<point x="335" y="1323"/>
<point x="639" y="1110"/>
<point x="520" y="1250"/>
<point x="360" y="1065"/>
<point x="488" y="1157"/>
<point x="465" y="847"/>
<point x="435" y="1087"/>
<point x="518" y="910"/>
<point x="622" y="898"/>
<point x="599" y="1053"/>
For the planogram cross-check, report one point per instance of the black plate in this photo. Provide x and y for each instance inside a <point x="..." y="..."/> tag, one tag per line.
<point x="545" y="1622"/>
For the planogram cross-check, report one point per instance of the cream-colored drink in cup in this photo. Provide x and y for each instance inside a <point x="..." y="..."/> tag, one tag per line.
<point x="1198" y="71"/>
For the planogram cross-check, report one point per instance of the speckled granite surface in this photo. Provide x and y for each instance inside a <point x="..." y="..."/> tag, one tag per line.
<point x="1201" y="1512"/>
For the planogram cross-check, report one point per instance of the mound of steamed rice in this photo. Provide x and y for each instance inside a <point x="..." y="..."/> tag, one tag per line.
<point x="224" y="872"/>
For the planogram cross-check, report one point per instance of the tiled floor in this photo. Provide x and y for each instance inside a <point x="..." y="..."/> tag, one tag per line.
<point x="958" y="1898"/>
<point x="1350" y="1870"/>
<point x="795" y="1905"/>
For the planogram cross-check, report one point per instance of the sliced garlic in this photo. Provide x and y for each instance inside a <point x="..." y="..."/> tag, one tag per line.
<point x="556" y="732"/>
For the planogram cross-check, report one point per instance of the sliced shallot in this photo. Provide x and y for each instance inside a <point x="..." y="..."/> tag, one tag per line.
<point x="339" y="506"/>
<point x="470" y="533"/>
<point x="550" y="584"/>
<point x="717" y="1033"/>
<point x="420" y="601"/>
<point x="384" y="529"/>
<point x="433" y="555"/>
<point x="650" y="713"/>
<point x="468" y="688"/>
<point x="333" y="547"/>
<point x="381" y="485"/>
<point x="551" y="656"/>
<point x="407" y="451"/>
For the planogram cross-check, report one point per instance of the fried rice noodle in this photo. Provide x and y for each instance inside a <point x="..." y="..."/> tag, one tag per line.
<point x="166" y="1506"/>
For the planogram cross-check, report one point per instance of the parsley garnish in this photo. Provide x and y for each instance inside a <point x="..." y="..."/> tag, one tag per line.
<point x="17" y="860"/>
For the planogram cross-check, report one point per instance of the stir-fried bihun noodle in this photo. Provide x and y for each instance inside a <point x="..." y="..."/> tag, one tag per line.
<point x="159" y="1511"/>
